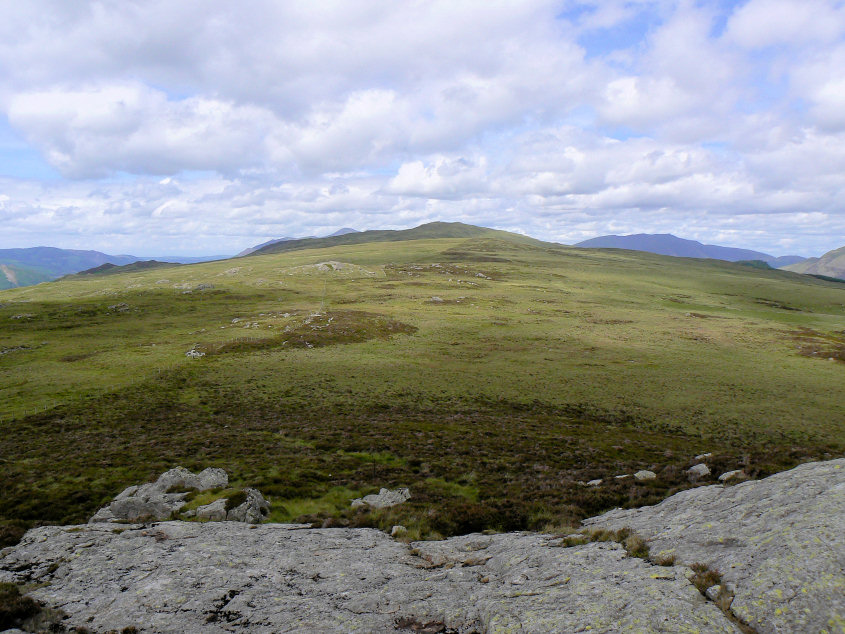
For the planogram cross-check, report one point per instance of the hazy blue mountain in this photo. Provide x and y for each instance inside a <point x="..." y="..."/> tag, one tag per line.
<point x="264" y="244"/>
<point x="33" y="265"/>
<point x="342" y="232"/>
<point x="339" y="232"/>
<point x="667" y="244"/>
<point x="57" y="262"/>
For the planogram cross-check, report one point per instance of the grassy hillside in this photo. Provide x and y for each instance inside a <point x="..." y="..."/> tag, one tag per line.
<point x="831" y="264"/>
<point x="489" y="374"/>
<point x="429" y="231"/>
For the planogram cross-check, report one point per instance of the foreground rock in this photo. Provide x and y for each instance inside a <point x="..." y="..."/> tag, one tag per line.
<point x="779" y="541"/>
<point x="189" y="577"/>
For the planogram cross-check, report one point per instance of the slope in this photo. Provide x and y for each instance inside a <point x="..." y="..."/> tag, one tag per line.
<point x="667" y="244"/>
<point x="432" y="230"/>
<point x="13" y="275"/>
<point x="491" y="374"/>
<point x="831" y="264"/>
<point x="112" y="269"/>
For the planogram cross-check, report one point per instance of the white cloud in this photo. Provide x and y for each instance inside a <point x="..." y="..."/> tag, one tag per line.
<point x="763" y="23"/>
<point x="298" y="118"/>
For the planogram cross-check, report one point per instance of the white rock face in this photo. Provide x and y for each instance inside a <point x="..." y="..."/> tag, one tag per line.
<point x="383" y="499"/>
<point x="645" y="475"/>
<point x="778" y="542"/>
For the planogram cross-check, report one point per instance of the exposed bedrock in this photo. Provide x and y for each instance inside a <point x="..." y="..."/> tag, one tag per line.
<point x="779" y="541"/>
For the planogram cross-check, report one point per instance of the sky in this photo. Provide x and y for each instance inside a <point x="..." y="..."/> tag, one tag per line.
<point x="202" y="127"/>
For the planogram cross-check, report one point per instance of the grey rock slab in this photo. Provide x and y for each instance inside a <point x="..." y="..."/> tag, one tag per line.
<point x="215" y="512"/>
<point x="228" y="576"/>
<point x="779" y="543"/>
<point x="645" y="475"/>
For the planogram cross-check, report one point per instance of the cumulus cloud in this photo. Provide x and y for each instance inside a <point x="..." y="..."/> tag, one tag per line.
<point x="559" y="118"/>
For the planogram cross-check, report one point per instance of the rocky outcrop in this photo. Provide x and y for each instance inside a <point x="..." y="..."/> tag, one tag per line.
<point x="383" y="499"/>
<point x="160" y="499"/>
<point x="777" y="542"/>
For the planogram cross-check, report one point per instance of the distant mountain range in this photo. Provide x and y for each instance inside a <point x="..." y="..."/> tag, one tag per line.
<point x="831" y="264"/>
<point x="24" y="267"/>
<point x="339" y="232"/>
<point x="667" y="244"/>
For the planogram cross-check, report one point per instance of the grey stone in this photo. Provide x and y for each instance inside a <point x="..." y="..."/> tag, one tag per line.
<point x="704" y="456"/>
<point x="594" y="483"/>
<point x="713" y="592"/>
<point x="778" y="542"/>
<point x="696" y="472"/>
<point x="732" y="475"/>
<point x="194" y="354"/>
<point x="152" y="501"/>
<point x="645" y="475"/>
<point x="252" y="511"/>
<point x="398" y="530"/>
<point x="227" y="576"/>
<point x="383" y="499"/>
<point x="215" y="512"/>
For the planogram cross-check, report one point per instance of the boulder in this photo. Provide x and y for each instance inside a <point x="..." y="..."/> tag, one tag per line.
<point x="160" y="499"/>
<point x="738" y="474"/>
<point x="696" y="472"/>
<point x="594" y="483"/>
<point x="252" y="510"/>
<point x="214" y="512"/>
<point x="383" y="499"/>
<point x="645" y="475"/>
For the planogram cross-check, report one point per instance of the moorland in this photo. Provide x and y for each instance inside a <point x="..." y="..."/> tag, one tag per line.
<point x="489" y="372"/>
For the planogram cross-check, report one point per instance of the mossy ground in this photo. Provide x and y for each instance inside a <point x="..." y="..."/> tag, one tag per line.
<point x="534" y="369"/>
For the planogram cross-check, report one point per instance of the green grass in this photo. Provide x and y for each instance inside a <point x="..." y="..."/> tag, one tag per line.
<point x="540" y="367"/>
